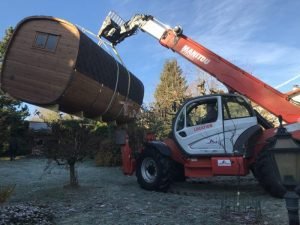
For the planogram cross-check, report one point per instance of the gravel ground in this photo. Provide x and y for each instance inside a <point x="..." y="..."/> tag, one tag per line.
<point x="106" y="196"/>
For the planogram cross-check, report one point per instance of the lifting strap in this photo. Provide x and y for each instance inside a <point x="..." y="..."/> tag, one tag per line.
<point x="101" y="42"/>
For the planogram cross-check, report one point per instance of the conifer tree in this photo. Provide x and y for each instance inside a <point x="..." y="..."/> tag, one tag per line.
<point x="12" y="113"/>
<point x="171" y="90"/>
<point x="4" y="42"/>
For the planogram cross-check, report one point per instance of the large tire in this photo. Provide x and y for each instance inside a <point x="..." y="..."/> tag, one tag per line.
<point x="153" y="171"/>
<point x="253" y="170"/>
<point x="266" y="175"/>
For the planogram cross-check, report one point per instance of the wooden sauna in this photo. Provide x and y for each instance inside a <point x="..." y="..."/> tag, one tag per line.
<point x="49" y="61"/>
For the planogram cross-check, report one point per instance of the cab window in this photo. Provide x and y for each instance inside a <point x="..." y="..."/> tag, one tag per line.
<point x="180" y="121"/>
<point x="236" y="107"/>
<point x="202" y="112"/>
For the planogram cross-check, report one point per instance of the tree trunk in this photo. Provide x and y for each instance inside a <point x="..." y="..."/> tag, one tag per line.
<point x="73" y="175"/>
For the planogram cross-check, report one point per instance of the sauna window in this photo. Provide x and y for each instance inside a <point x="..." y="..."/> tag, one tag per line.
<point x="46" y="41"/>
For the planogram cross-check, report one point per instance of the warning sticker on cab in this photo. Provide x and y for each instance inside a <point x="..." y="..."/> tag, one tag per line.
<point x="224" y="162"/>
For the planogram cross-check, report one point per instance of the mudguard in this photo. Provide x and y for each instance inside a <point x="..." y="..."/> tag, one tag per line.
<point x="245" y="142"/>
<point x="159" y="146"/>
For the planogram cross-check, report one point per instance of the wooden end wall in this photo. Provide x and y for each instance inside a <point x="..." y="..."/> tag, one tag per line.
<point x="35" y="75"/>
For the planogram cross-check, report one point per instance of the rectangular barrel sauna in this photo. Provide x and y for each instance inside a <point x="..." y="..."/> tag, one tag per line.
<point x="49" y="61"/>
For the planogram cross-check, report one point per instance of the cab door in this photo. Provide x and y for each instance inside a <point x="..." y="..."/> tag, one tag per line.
<point x="196" y="134"/>
<point x="238" y="117"/>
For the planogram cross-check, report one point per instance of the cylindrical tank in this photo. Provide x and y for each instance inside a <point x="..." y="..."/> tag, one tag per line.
<point x="49" y="61"/>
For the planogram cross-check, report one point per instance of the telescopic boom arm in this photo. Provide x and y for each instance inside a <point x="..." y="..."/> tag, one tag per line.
<point x="115" y="30"/>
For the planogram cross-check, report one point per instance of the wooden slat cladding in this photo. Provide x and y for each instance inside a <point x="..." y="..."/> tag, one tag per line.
<point x="79" y="95"/>
<point x="87" y="95"/>
<point x="73" y="72"/>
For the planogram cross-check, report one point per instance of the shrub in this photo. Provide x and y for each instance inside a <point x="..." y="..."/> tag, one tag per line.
<point x="108" y="154"/>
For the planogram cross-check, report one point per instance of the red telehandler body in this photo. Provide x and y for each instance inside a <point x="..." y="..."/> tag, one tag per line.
<point x="230" y="141"/>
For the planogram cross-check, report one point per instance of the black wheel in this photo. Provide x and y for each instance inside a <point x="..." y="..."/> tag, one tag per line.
<point x="253" y="170"/>
<point x="153" y="171"/>
<point x="265" y="173"/>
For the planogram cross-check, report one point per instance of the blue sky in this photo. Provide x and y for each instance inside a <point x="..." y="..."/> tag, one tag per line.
<point x="261" y="37"/>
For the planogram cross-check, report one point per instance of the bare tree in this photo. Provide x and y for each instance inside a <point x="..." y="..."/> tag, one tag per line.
<point x="70" y="143"/>
<point x="205" y="84"/>
<point x="266" y="114"/>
